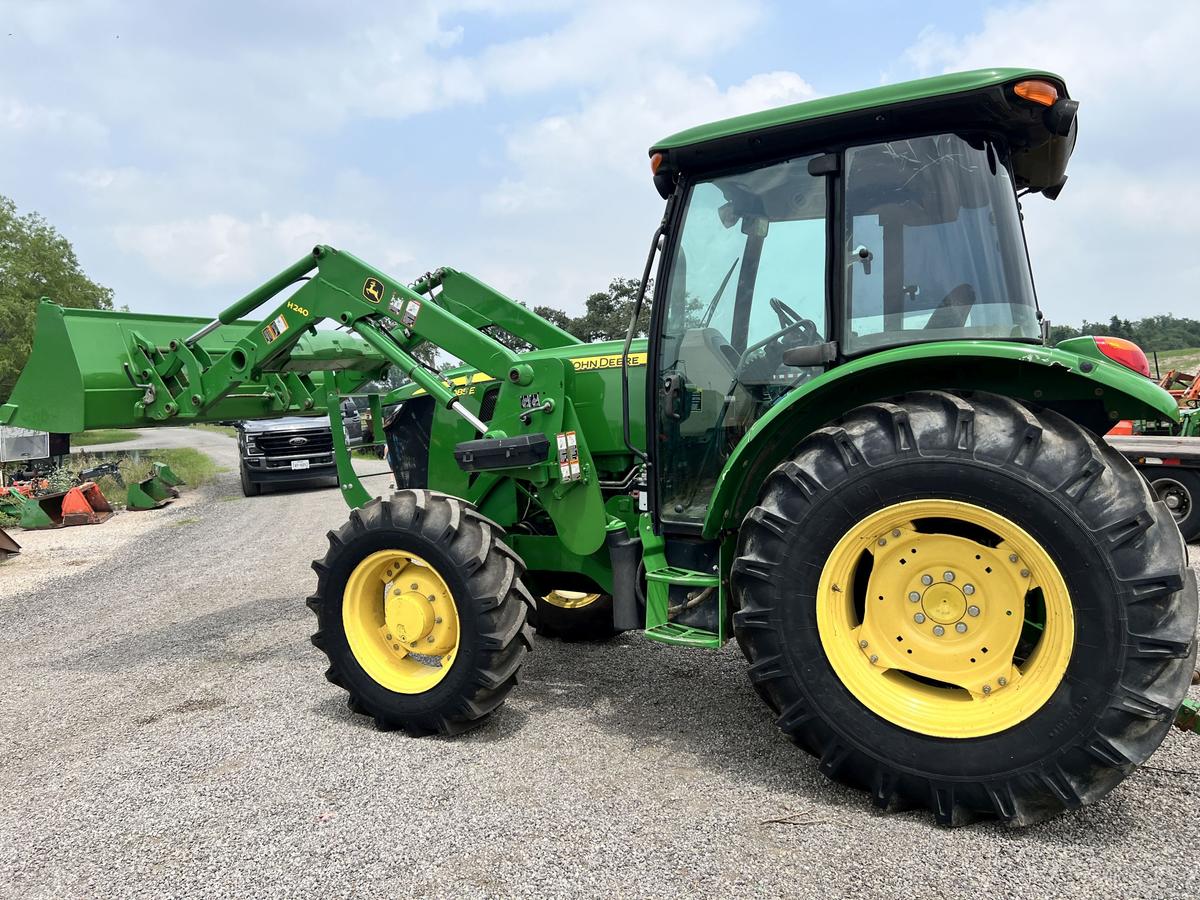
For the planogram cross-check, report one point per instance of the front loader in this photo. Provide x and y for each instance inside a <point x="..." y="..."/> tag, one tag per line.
<point x="844" y="443"/>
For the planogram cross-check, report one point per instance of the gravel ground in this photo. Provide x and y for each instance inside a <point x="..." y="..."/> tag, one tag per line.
<point x="166" y="732"/>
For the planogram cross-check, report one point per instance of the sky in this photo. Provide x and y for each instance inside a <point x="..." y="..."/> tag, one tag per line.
<point x="190" y="150"/>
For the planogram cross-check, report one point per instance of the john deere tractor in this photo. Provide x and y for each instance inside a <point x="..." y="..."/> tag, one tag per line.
<point x="845" y="443"/>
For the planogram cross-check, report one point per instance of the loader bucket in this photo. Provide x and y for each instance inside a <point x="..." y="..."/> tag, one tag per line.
<point x="8" y="547"/>
<point x="154" y="491"/>
<point x="79" y="375"/>
<point x="82" y="505"/>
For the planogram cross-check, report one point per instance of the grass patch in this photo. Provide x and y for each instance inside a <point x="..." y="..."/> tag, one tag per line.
<point x="195" y="468"/>
<point x="102" y="436"/>
<point x="365" y="453"/>
<point x="1187" y="360"/>
<point x="227" y="430"/>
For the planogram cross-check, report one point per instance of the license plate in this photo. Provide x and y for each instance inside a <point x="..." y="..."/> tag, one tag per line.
<point x="299" y="464"/>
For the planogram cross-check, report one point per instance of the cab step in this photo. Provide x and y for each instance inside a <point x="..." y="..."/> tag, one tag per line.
<point x="658" y="628"/>
<point x="683" y="636"/>
<point x="685" y="577"/>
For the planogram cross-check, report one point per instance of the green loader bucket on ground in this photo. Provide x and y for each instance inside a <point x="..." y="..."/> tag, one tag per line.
<point x="84" y="371"/>
<point x="154" y="491"/>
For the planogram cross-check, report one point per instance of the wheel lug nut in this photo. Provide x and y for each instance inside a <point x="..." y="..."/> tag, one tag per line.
<point x="437" y="621"/>
<point x="413" y="586"/>
<point x="1024" y="573"/>
<point x="919" y="618"/>
<point x="949" y="576"/>
<point x="987" y="688"/>
<point x="960" y="627"/>
<point x="972" y="610"/>
<point x="939" y="630"/>
<point x="863" y="644"/>
<point x="968" y="589"/>
<point x="431" y="598"/>
<point x="429" y="639"/>
<point x="927" y="580"/>
<point x="1012" y="557"/>
<point x="1002" y="681"/>
<point x="914" y="596"/>
<point x="874" y="658"/>
<point x="883" y="542"/>
<point x="895" y="532"/>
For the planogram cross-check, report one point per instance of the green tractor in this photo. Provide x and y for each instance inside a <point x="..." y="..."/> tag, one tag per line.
<point x="845" y="443"/>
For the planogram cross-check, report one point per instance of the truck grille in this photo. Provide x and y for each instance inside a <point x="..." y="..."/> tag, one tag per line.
<point x="317" y="440"/>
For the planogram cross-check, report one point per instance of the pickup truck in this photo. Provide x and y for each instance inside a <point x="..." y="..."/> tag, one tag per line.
<point x="296" y="449"/>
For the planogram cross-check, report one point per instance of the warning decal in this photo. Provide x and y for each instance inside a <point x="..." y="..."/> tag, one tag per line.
<point x="275" y="329"/>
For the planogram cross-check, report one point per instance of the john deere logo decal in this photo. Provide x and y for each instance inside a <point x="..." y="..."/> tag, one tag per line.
<point x="373" y="290"/>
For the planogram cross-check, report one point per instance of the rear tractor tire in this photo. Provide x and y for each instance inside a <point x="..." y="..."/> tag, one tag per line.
<point x="964" y="603"/>
<point x="575" y="616"/>
<point x="422" y="613"/>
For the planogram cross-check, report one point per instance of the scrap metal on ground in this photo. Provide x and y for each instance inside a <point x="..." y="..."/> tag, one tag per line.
<point x="8" y="546"/>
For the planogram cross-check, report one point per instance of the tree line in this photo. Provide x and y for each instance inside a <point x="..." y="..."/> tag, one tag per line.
<point x="1165" y="332"/>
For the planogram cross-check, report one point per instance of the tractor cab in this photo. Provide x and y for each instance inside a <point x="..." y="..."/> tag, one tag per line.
<point x="802" y="238"/>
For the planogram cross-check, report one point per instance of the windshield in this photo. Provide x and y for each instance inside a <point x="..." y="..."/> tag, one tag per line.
<point x="934" y="249"/>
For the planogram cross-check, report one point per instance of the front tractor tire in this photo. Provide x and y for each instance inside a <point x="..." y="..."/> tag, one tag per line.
<point x="422" y="613"/>
<point x="575" y="616"/>
<point x="964" y="603"/>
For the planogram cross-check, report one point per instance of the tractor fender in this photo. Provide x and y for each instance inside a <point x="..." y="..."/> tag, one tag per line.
<point x="1093" y="392"/>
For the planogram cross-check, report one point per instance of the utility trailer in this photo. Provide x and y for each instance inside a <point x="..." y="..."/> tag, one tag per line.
<point x="1172" y="466"/>
<point x="844" y="444"/>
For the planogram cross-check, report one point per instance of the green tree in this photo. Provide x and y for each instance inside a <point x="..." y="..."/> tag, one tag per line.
<point x="35" y="261"/>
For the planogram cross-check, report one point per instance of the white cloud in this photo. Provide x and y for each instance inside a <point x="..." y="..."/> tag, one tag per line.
<point x="1120" y="238"/>
<point x="578" y="206"/>
<point x="24" y="120"/>
<point x="220" y="249"/>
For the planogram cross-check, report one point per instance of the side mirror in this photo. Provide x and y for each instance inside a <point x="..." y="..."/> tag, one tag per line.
<point x="812" y="355"/>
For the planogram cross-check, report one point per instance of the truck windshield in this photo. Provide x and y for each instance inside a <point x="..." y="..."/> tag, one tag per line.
<point x="934" y="249"/>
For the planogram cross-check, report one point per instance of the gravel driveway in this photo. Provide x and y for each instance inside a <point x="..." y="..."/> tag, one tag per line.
<point x="166" y="731"/>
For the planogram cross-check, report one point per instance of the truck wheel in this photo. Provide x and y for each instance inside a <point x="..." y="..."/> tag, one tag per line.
<point x="249" y="488"/>
<point x="963" y="603"/>
<point x="575" y="616"/>
<point x="421" y="611"/>
<point x="1180" y="490"/>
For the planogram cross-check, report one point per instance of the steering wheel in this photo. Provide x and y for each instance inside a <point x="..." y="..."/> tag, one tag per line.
<point x="794" y="331"/>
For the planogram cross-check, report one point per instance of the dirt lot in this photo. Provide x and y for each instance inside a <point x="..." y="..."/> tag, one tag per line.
<point x="166" y="731"/>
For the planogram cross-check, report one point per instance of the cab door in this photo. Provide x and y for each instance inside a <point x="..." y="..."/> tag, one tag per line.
<point x="743" y="281"/>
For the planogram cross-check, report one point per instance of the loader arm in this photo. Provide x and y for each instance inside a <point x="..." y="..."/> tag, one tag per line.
<point x="102" y="369"/>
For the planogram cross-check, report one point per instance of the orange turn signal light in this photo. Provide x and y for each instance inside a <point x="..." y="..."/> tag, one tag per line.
<point x="655" y="161"/>
<point x="1042" y="92"/>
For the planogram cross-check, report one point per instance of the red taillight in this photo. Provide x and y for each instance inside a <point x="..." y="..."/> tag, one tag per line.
<point x="1127" y="353"/>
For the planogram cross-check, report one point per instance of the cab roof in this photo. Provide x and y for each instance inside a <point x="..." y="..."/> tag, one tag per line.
<point x="981" y="98"/>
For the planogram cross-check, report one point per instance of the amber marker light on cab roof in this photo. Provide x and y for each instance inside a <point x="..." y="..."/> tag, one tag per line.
<point x="1042" y="92"/>
<point x="655" y="162"/>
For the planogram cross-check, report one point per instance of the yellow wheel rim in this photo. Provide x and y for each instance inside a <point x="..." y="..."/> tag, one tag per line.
<point x="945" y="618"/>
<point x="570" y="599"/>
<point x="400" y="621"/>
